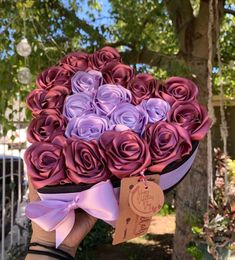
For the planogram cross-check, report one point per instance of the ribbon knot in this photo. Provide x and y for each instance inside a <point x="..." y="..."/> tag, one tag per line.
<point x="74" y="204"/>
<point x="53" y="213"/>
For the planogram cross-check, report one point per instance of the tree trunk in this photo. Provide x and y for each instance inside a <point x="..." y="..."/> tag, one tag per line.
<point x="192" y="196"/>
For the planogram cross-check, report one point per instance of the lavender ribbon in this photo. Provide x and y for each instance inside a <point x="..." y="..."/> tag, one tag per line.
<point x="55" y="212"/>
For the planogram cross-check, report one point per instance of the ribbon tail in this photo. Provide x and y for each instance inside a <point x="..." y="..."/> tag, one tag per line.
<point x="63" y="229"/>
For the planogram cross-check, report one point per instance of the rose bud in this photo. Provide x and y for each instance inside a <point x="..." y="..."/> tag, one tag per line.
<point x="75" y="61"/>
<point x="85" y="161"/>
<point x="191" y="116"/>
<point x="87" y="127"/>
<point x="103" y="56"/>
<point x="45" y="164"/>
<point x="46" y="126"/>
<point x="52" y="77"/>
<point x="127" y="154"/>
<point x="177" y="89"/>
<point x="109" y="96"/>
<point x="142" y="87"/>
<point x="86" y="81"/>
<point x="117" y="73"/>
<point x="167" y="143"/>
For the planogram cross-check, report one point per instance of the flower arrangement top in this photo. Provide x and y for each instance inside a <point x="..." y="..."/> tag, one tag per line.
<point x="94" y="118"/>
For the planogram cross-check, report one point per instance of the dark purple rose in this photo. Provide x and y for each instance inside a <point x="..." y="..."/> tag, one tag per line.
<point x="142" y="87"/>
<point x="40" y="99"/>
<point x="192" y="117"/>
<point x="52" y="77"/>
<point x="117" y="73"/>
<point x="156" y="108"/>
<point x="127" y="154"/>
<point x="45" y="164"/>
<point x="102" y="56"/>
<point x="177" y="89"/>
<point x="86" y="81"/>
<point x="78" y="104"/>
<point x="109" y="96"/>
<point x="87" y="127"/>
<point x="85" y="161"/>
<point x="126" y="115"/>
<point x="167" y="143"/>
<point x="46" y="126"/>
<point x="75" y="61"/>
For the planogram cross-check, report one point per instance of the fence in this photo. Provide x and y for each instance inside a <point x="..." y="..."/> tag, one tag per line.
<point x="13" y="184"/>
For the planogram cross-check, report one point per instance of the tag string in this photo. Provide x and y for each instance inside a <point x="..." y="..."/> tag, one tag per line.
<point x="143" y="178"/>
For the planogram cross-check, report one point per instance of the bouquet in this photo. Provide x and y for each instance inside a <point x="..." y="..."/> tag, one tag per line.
<point x="95" y="122"/>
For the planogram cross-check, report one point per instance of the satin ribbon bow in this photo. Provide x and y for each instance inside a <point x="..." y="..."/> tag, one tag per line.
<point x="59" y="215"/>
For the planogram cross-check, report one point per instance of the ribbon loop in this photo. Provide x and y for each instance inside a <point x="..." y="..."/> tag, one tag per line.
<point x="53" y="213"/>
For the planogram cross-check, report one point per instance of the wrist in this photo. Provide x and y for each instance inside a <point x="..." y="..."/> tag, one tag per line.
<point x="64" y="247"/>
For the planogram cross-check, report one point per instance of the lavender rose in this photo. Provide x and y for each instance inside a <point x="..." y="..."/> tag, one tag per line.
<point x="156" y="108"/>
<point x="87" y="127"/>
<point x="46" y="126"/>
<point x="85" y="161"/>
<point x="117" y="73"/>
<point x="86" y="81"/>
<point x="40" y="99"/>
<point x="127" y="154"/>
<point x="177" y="89"/>
<point x="142" y="87"/>
<point x="167" y="143"/>
<point x="192" y="117"/>
<point x="109" y="96"/>
<point x="77" y="105"/>
<point x="102" y="56"/>
<point x="45" y="164"/>
<point x="75" y="61"/>
<point x="52" y="77"/>
<point x="129" y="116"/>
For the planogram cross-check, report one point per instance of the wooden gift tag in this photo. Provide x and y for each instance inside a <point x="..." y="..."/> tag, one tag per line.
<point x="138" y="202"/>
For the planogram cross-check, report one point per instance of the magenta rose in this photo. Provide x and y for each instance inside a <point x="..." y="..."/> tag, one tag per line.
<point x="85" y="161"/>
<point x="177" y="89"/>
<point x="192" y="117"/>
<point x="142" y="87"/>
<point x="103" y="56"/>
<point x="167" y="143"/>
<point x="52" y="77"/>
<point x="40" y="99"/>
<point x="75" y="61"/>
<point x="127" y="154"/>
<point x="45" y="164"/>
<point x="46" y="126"/>
<point x="117" y="73"/>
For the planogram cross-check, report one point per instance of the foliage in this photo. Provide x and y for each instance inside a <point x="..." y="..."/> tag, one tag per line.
<point x="167" y="209"/>
<point x="56" y="27"/>
<point x="193" y="250"/>
<point x="100" y="234"/>
<point x="219" y="221"/>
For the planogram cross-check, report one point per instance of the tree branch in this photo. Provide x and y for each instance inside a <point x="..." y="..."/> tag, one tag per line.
<point x="229" y="11"/>
<point x="152" y="58"/>
<point x="82" y="24"/>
